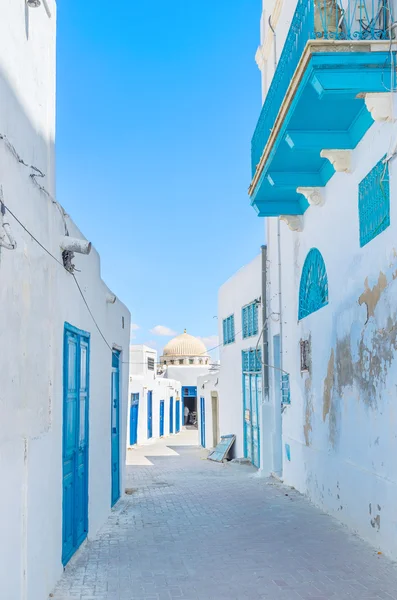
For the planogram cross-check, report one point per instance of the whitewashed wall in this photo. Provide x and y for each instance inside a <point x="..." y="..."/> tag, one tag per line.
<point x="37" y="296"/>
<point x="187" y="374"/>
<point x="142" y="382"/>
<point x="241" y="289"/>
<point x="341" y="425"/>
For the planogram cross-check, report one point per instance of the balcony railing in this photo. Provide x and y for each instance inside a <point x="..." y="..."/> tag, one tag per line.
<point x="318" y="20"/>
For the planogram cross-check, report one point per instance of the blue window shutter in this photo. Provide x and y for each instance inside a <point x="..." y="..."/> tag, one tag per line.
<point x="374" y="202"/>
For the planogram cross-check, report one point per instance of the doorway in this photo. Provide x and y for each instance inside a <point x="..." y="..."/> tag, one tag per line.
<point x="161" y="418"/>
<point x="134" y="411"/>
<point x="202" y="421"/>
<point x="171" y="414"/>
<point x="75" y="440"/>
<point x="115" y="426"/>
<point x="215" y="418"/>
<point x="189" y="400"/>
<point x="252" y="398"/>
<point x="149" y="415"/>
<point x="177" y="416"/>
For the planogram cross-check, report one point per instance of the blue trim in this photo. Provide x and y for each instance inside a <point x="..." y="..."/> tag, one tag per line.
<point x="171" y="415"/>
<point x="115" y="435"/>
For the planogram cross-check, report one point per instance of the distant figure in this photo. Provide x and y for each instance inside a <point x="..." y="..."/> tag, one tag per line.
<point x="186" y="411"/>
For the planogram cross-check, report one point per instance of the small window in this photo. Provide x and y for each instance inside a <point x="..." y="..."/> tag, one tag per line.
<point x="228" y="330"/>
<point x="252" y="360"/>
<point x="285" y="389"/>
<point x="191" y="361"/>
<point x="250" y="319"/>
<point x="172" y="362"/>
<point x="374" y="202"/>
<point x="305" y="355"/>
<point x="181" y="361"/>
<point x="201" y="361"/>
<point x="150" y="363"/>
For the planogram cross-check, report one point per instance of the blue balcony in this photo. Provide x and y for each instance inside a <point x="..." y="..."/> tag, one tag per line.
<point x="336" y="53"/>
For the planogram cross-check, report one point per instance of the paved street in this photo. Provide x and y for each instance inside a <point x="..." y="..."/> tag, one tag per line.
<point x="194" y="530"/>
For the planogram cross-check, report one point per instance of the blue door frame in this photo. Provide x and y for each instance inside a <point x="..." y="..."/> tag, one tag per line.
<point x="171" y="414"/>
<point x="252" y="399"/>
<point x="76" y="361"/>
<point x="202" y="420"/>
<point x="115" y="426"/>
<point x="177" y="416"/>
<point x="134" y="411"/>
<point x="161" y="418"/>
<point x="149" y="414"/>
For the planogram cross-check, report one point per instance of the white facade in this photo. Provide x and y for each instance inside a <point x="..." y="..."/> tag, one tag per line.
<point x="337" y="440"/>
<point x="187" y="374"/>
<point x="37" y="297"/>
<point x="239" y="291"/>
<point x="143" y="380"/>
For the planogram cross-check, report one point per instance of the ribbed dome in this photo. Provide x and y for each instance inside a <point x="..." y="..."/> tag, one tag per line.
<point x="185" y="345"/>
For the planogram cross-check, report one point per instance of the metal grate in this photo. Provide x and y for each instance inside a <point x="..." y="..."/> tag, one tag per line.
<point x="228" y="330"/>
<point x="313" y="289"/>
<point x="305" y="355"/>
<point x="250" y="319"/>
<point x="374" y="202"/>
<point x="285" y="389"/>
<point x="252" y="361"/>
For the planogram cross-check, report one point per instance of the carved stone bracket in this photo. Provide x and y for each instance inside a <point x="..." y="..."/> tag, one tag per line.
<point x="294" y="222"/>
<point x="312" y="194"/>
<point x="341" y="160"/>
<point x="380" y="105"/>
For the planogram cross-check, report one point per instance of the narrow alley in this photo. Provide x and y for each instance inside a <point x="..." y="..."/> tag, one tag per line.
<point x="191" y="529"/>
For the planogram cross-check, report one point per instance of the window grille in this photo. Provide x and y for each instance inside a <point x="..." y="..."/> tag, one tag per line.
<point x="285" y="389"/>
<point x="228" y="330"/>
<point x="250" y="319"/>
<point x="313" y="289"/>
<point x="305" y="355"/>
<point x="252" y="361"/>
<point x="374" y="202"/>
<point x="150" y="363"/>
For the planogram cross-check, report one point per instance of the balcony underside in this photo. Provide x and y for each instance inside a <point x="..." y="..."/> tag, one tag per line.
<point x="323" y="109"/>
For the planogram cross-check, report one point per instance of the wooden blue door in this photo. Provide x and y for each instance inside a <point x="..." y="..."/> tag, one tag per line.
<point x="75" y="440"/>
<point x="134" y="411"/>
<point x="247" y="417"/>
<point x="171" y="414"/>
<point x="202" y="421"/>
<point x="161" y="418"/>
<point x="115" y="427"/>
<point x="177" y="416"/>
<point x="252" y="398"/>
<point x="150" y="414"/>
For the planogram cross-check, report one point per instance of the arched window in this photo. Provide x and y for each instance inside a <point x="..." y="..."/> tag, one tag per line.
<point x="313" y="289"/>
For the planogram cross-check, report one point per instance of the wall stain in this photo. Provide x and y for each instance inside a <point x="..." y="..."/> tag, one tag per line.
<point x="371" y="297"/>
<point x="307" y="428"/>
<point x="328" y="385"/>
<point x="344" y="364"/>
<point x="375" y="522"/>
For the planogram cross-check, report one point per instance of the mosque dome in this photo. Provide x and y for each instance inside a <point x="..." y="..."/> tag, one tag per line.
<point x="185" y="349"/>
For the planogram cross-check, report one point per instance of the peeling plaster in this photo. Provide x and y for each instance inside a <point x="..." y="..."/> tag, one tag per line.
<point x="371" y="297"/>
<point x="328" y="385"/>
<point x="307" y="428"/>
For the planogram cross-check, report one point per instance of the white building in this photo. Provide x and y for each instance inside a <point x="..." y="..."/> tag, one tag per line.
<point x="63" y="392"/>
<point x="185" y="358"/>
<point x="154" y="400"/>
<point x="240" y="378"/>
<point x="324" y="174"/>
<point x="208" y="409"/>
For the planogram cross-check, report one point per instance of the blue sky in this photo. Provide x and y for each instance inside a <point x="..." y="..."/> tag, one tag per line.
<point x="156" y="105"/>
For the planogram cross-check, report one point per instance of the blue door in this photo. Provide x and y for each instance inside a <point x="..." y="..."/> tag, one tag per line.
<point x="134" y="411"/>
<point x="75" y="440"/>
<point x="202" y="421"/>
<point x="172" y="414"/>
<point x="177" y="416"/>
<point x="161" y="418"/>
<point x="115" y="426"/>
<point x="252" y="398"/>
<point x="149" y="414"/>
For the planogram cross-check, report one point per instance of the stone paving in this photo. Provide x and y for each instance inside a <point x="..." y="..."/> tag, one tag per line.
<point x="194" y="530"/>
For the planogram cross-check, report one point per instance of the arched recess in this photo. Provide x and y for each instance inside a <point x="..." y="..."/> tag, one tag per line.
<point x="313" y="289"/>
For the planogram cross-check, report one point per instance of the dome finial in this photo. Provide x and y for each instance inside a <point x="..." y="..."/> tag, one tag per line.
<point x="184" y="331"/>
